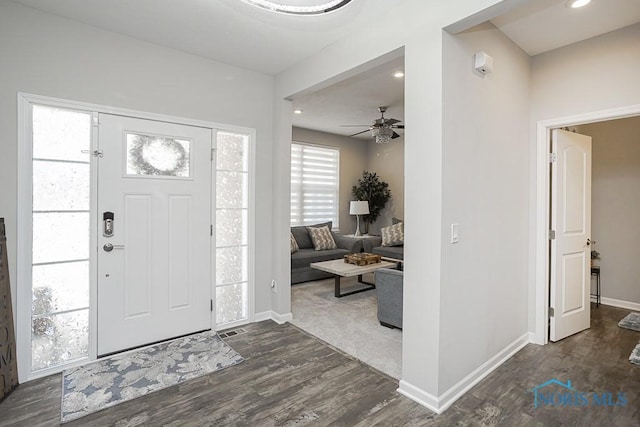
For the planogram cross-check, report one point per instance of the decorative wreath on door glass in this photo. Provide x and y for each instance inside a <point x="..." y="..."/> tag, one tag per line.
<point x="153" y="155"/>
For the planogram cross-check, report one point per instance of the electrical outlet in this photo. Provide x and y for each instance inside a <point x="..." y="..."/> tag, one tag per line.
<point x="274" y="286"/>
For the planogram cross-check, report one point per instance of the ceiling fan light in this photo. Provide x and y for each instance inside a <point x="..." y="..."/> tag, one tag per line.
<point x="382" y="134"/>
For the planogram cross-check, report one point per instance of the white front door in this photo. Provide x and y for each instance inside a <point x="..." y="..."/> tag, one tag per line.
<point x="154" y="271"/>
<point x="571" y="220"/>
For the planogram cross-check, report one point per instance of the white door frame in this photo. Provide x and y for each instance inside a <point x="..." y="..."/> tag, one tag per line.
<point x="24" y="177"/>
<point x="542" y="226"/>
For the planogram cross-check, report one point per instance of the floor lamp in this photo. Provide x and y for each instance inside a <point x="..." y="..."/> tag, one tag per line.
<point x="357" y="208"/>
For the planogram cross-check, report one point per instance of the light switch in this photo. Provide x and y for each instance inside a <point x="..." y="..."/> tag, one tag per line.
<point x="455" y="238"/>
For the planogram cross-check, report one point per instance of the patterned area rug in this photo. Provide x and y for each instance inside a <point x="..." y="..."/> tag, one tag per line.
<point x="635" y="356"/>
<point x="106" y="383"/>
<point x="631" y="321"/>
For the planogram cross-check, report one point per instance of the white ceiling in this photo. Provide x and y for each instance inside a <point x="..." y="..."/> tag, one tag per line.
<point x="354" y="101"/>
<point x="232" y="32"/>
<point x="229" y="31"/>
<point x="542" y="25"/>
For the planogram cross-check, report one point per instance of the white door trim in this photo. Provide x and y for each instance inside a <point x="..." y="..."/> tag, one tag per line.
<point x="541" y="263"/>
<point x="23" y="228"/>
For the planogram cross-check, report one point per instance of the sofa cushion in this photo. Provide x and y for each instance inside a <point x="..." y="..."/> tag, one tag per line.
<point x="393" y="235"/>
<point x="322" y="238"/>
<point x="304" y="257"/>
<point x="395" y="252"/>
<point x="293" y="244"/>
<point x="302" y="235"/>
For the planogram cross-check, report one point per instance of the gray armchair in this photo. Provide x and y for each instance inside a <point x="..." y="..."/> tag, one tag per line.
<point x="389" y="286"/>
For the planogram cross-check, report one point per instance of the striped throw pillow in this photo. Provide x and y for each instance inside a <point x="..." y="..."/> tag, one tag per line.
<point x="322" y="238"/>
<point x="393" y="235"/>
<point x="293" y="244"/>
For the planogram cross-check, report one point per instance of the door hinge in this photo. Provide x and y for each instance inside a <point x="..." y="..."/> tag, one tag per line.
<point x="553" y="157"/>
<point x="551" y="312"/>
<point x="211" y="305"/>
<point x="211" y="230"/>
<point x="552" y="234"/>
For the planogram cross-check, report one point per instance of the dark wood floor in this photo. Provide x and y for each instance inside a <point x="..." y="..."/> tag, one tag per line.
<point x="291" y="378"/>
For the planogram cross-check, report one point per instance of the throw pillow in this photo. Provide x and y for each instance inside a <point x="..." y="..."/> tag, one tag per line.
<point x="301" y="234"/>
<point x="393" y="235"/>
<point x="293" y="244"/>
<point x="322" y="238"/>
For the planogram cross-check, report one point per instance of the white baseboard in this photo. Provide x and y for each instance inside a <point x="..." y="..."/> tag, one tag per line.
<point x="281" y="319"/>
<point x="262" y="316"/>
<point x="272" y="315"/>
<point x="454" y="393"/>
<point x="620" y="303"/>
<point x="532" y="338"/>
<point x="445" y="400"/>
<point x="418" y="395"/>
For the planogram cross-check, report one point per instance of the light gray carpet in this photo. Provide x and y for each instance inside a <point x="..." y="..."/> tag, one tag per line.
<point x="631" y="321"/>
<point x="105" y="383"/>
<point x="349" y="323"/>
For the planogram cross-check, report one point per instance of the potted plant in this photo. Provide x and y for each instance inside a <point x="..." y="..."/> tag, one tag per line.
<point x="376" y="192"/>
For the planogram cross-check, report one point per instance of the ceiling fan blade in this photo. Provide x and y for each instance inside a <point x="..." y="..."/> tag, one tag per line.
<point x="367" y="130"/>
<point x="395" y="135"/>
<point x="398" y="126"/>
<point x="351" y="126"/>
<point x="392" y="121"/>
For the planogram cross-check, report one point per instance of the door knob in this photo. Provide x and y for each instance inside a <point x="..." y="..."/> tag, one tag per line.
<point x="108" y="247"/>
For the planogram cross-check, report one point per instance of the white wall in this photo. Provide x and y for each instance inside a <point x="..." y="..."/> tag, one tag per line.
<point x="485" y="184"/>
<point x="596" y="74"/>
<point x="415" y="28"/>
<point x="615" y="205"/>
<point x="387" y="160"/>
<point x="47" y="55"/>
<point x="353" y="157"/>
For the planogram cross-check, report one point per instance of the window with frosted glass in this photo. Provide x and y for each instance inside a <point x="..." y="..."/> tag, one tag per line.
<point x="232" y="225"/>
<point x="157" y="155"/>
<point x="60" y="242"/>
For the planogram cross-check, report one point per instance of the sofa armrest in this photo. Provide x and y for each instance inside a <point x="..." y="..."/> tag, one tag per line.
<point x="352" y="244"/>
<point x="389" y="286"/>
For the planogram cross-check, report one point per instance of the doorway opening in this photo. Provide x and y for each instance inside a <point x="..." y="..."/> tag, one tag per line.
<point x="543" y="206"/>
<point x="334" y="149"/>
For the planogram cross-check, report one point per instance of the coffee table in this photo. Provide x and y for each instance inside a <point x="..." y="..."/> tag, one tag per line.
<point x="340" y="269"/>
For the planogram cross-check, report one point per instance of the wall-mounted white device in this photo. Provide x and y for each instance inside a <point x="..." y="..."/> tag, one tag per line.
<point x="482" y="62"/>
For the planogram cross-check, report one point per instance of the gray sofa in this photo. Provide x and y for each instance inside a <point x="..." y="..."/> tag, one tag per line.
<point x="395" y="252"/>
<point x="300" y="259"/>
<point x="389" y="286"/>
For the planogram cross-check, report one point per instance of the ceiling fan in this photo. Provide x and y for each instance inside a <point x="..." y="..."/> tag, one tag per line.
<point x="382" y="129"/>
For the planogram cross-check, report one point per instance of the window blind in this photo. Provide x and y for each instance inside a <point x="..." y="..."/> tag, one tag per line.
<point x="314" y="184"/>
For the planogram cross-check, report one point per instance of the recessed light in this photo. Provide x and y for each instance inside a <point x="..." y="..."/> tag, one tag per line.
<point x="297" y="111"/>
<point x="578" y="3"/>
<point x="398" y="74"/>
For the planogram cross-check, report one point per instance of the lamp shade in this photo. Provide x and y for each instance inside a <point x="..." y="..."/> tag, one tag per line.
<point x="359" y="207"/>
